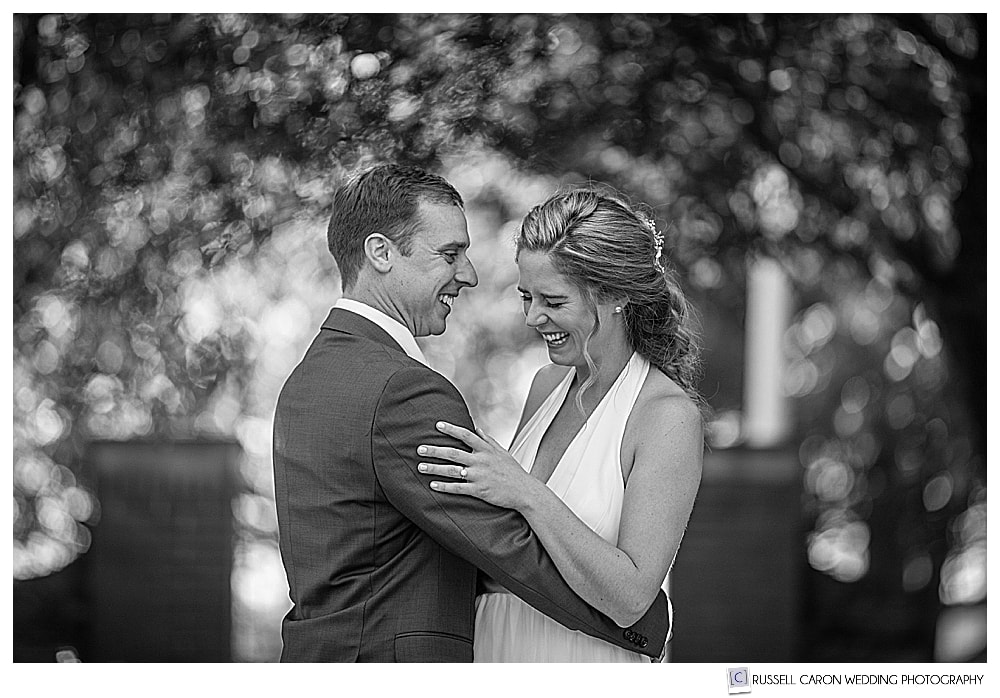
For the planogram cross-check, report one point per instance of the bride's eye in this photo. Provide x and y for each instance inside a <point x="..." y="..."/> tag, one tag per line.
<point x="525" y="304"/>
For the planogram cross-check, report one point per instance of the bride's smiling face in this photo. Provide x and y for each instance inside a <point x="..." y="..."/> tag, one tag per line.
<point x="556" y="308"/>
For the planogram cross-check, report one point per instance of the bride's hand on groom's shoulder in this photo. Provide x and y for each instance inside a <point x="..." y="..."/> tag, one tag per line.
<point x="486" y="471"/>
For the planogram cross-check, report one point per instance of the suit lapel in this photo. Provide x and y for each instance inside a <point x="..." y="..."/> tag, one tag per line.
<point x="340" y="320"/>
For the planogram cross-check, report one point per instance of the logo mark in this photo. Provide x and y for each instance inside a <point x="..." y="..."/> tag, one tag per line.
<point x="739" y="679"/>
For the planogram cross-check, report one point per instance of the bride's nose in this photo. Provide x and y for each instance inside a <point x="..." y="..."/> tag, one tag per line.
<point x="534" y="317"/>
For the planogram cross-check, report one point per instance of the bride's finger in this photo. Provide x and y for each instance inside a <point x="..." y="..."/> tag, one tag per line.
<point x="452" y="487"/>
<point x="458" y="472"/>
<point x="460" y="433"/>
<point x="488" y="439"/>
<point x="444" y="453"/>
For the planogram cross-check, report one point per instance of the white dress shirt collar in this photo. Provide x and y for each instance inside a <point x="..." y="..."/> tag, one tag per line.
<point x="397" y="330"/>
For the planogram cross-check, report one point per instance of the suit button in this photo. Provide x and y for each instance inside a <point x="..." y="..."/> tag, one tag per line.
<point x="629" y="635"/>
<point x="643" y="643"/>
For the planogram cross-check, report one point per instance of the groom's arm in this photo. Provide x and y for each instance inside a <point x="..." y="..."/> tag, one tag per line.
<point x="498" y="541"/>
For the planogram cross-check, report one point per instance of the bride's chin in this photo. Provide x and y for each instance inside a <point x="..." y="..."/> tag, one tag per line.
<point x="559" y="359"/>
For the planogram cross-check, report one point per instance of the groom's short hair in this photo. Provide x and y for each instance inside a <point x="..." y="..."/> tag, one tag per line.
<point x="383" y="199"/>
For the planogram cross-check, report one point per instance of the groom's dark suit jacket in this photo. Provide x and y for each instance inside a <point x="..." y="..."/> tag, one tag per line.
<point x="380" y="567"/>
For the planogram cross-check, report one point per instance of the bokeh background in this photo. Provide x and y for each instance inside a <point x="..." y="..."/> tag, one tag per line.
<point x="821" y="180"/>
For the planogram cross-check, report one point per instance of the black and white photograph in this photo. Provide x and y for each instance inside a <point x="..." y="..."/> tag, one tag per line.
<point x="503" y="338"/>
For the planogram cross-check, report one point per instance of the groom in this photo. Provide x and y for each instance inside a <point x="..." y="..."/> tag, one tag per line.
<point x="380" y="567"/>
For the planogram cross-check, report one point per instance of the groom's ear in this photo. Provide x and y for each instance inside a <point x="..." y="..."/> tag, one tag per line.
<point x="379" y="251"/>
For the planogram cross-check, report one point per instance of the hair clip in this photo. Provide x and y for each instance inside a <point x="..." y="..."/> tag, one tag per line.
<point x="657" y="244"/>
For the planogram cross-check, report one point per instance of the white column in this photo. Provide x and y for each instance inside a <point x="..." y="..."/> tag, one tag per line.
<point x="766" y="419"/>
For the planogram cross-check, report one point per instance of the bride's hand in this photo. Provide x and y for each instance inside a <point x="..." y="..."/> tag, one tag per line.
<point x="488" y="472"/>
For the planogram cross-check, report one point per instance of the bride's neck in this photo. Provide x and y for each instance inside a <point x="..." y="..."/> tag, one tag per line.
<point x="609" y="367"/>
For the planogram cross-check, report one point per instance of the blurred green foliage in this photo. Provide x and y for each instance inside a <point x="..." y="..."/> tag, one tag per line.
<point x="173" y="173"/>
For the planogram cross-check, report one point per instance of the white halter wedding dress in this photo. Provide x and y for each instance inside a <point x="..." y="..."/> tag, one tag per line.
<point x="588" y="478"/>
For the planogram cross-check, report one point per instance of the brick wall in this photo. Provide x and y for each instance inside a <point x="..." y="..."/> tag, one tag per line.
<point x="158" y="579"/>
<point x="737" y="581"/>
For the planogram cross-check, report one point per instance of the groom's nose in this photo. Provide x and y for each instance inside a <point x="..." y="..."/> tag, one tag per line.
<point x="466" y="273"/>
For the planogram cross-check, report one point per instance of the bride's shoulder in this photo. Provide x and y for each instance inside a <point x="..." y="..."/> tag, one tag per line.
<point x="665" y="429"/>
<point x="663" y="403"/>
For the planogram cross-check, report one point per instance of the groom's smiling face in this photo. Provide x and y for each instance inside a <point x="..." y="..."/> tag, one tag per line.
<point x="426" y="282"/>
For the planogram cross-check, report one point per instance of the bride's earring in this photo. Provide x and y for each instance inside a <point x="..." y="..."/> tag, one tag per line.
<point x="618" y="309"/>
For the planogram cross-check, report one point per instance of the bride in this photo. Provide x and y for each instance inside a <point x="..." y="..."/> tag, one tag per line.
<point x="606" y="460"/>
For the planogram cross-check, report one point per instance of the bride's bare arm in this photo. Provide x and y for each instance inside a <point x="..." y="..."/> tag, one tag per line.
<point x="666" y="440"/>
<point x="622" y="581"/>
